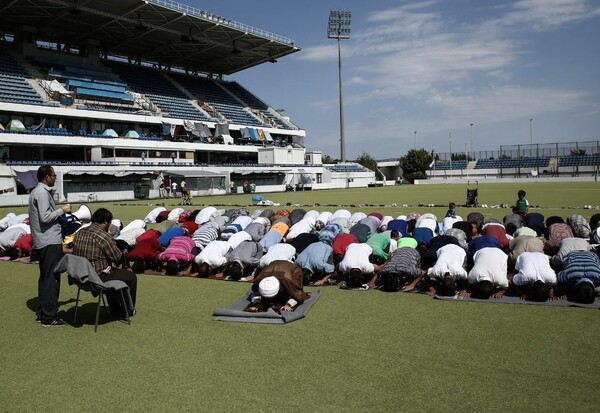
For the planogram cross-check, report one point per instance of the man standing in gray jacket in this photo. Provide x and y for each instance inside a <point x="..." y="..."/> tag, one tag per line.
<point x="44" y="219"/>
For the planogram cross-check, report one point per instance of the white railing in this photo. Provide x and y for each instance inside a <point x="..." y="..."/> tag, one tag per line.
<point x="192" y="11"/>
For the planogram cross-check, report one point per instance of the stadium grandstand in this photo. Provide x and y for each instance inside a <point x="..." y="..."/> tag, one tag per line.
<point x="570" y="161"/>
<point x="121" y="95"/>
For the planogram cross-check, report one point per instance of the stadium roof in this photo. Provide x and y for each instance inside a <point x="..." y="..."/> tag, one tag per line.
<point x="158" y="31"/>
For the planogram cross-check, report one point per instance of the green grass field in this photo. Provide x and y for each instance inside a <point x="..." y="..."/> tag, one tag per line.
<point x="355" y="351"/>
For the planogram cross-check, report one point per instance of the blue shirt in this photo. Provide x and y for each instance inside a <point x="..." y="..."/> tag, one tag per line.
<point x="271" y="238"/>
<point x="329" y="233"/>
<point x="317" y="258"/>
<point x="169" y="234"/>
<point x="580" y="266"/>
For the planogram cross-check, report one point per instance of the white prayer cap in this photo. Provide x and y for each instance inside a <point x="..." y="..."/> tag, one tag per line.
<point x="268" y="287"/>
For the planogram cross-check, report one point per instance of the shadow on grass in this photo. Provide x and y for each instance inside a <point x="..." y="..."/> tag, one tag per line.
<point x="86" y="315"/>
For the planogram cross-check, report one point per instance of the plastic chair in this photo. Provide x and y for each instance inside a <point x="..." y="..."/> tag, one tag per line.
<point x="82" y="273"/>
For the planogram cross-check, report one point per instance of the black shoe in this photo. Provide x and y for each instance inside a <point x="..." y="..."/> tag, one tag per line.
<point x="57" y="322"/>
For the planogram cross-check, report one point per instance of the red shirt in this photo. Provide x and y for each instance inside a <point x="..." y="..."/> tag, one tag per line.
<point x="191" y="227"/>
<point x="146" y="249"/>
<point x="150" y="234"/>
<point x="498" y="232"/>
<point x="341" y="242"/>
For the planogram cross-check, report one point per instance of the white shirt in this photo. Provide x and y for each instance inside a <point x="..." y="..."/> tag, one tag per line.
<point x="341" y="213"/>
<point x="448" y="222"/>
<point x="205" y="215"/>
<point x="393" y="246"/>
<point x="450" y="258"/>
<point x="281" y="251"/>
<point x="174" y="214"/>
<point x="568" y="245"/>
<point x="213" y="254"/>
<point x="532" y="267"/>
<point x="174" y="186"/>
<point x="490" y="265"/>
<point x="384" y="222"/>
<point x="4" y="221"/>
<point x="428" y="223"/>
<point x="262" y="220"/>
<point x="130" y="236"/>
<point x="136" y="223"/>
<point x="152" y="215"/>
<point x="23" y="226"/>
<point x="312" y="214"/>
<point x="356" y="217"/>
<point x="324" y="217"/>
<point x="357" y="256"/>
<point x="237" y="238"/>
<point x="243" y="221"/>
<point x="301" y="227"/>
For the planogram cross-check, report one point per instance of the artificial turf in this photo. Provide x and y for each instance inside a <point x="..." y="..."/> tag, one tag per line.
<point x="355" y="351"/>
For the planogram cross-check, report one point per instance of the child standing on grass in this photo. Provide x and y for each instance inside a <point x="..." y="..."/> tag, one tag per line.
<point x="451" y="210"/>
<point x="522" y="205"/>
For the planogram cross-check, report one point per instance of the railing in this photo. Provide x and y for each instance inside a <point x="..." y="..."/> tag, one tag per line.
<point x="192" y="11"/>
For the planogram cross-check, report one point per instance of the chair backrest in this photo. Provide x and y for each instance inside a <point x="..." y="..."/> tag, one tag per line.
<point x="80" y="270"/>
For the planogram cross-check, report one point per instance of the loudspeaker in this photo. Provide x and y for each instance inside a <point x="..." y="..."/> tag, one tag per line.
<point x="83" y="214"/>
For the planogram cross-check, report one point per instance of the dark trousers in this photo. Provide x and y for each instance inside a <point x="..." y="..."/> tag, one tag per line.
<point x="49" y="282"/>
<point x="114" y="297"/>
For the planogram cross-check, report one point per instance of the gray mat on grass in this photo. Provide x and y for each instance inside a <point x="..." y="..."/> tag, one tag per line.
<point x="235" y="312"/>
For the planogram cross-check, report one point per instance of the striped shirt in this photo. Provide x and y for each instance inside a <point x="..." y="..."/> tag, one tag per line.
<point x="204" y="235"/>
<point x="404" y="261"/>
<point x="179" y="250"/>
<point x="580" y="266"/>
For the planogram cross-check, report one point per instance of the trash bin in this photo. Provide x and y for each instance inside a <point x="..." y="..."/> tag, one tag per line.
<point x="141" y="190"/>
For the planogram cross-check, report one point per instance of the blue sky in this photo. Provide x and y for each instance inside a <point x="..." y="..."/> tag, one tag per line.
<point x="433" y="67"/>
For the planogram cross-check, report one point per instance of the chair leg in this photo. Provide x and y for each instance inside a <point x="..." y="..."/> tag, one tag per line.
<point x="125" y="306"/>
<point x="105" y="306"/>
<point x="100" y="297"/>
<point x="76" y="305"/>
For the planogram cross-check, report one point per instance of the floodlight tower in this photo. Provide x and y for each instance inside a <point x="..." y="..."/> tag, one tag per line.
<point x="339" y="28"/>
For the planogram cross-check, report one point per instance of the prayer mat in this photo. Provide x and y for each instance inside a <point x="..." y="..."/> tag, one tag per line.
<point x="235" y="312"/>
<point x="517" y="300"/>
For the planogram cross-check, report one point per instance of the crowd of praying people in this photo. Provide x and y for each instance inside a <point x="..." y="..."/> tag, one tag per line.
<point x="525" y="254"/>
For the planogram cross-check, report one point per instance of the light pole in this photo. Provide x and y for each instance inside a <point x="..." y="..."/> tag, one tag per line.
<point x="415" y="140"/>
<point x="339" y="28"/>
<point x="450" y="143"/>
<point x="471" y="142"/>
<point x="530" y="130"/>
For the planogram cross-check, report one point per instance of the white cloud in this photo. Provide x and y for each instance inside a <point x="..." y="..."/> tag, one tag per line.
<point x="411" y="69"/>
<point x="547" y="14"/>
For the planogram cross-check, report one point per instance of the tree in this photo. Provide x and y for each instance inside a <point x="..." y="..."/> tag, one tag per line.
<point x="328" y="159"/>
<point x="578" y="152"/>
<point x="367" y="161"/>
<point x="461" y="157"/>
<point x="415" y="163"/>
